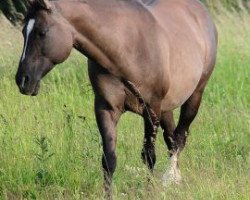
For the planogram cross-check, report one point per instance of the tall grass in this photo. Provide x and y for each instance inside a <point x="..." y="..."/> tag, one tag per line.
<point x="50" y="146"/>
<point x="229" y="4"/>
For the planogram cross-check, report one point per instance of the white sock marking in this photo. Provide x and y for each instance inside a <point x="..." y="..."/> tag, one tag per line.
<point x="29" y="28"/>
<point x="173" y="173"/>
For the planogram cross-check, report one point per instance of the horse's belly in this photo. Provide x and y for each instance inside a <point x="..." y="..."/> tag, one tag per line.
<point x="174" y="100"/>
<point x="181" y="88"/>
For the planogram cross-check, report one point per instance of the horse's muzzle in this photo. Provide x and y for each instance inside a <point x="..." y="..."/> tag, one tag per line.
<point x="27" y="86"/>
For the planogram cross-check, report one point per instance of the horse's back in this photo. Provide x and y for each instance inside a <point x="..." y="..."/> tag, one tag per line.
<point x="185" y="19"/>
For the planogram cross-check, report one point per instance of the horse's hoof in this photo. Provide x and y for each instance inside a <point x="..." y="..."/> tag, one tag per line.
<point x="171" y="176"/>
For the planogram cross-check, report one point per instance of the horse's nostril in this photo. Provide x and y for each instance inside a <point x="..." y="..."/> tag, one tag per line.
<point x="25" y="81"/>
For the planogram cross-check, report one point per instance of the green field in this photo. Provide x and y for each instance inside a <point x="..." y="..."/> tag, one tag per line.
<point x="50" y="146"/>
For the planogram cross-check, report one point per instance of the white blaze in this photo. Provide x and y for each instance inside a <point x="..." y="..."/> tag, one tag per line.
<point x="29" y="28"/>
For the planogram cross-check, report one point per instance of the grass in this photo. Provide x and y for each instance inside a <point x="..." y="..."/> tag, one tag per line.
<point x="50" y="146"/>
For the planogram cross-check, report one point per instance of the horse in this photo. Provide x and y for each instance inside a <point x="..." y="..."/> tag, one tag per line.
<point x="144" y="56"/>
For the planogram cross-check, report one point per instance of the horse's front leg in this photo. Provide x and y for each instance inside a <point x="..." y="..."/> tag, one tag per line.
<point x="107" y="118"/>
<point x="151" y="124"/>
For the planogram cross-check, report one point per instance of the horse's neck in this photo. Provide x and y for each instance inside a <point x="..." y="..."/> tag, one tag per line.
<point x="94" y="32"/>
<point x="106" y="34"/>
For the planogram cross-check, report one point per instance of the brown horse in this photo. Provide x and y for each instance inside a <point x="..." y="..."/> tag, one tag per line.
<point x="144" y="56"/>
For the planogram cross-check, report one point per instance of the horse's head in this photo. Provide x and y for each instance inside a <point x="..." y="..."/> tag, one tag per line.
<point x="47" y="41"/>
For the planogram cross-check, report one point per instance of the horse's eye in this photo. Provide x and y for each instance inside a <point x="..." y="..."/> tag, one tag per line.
<point x="42" y="33"/>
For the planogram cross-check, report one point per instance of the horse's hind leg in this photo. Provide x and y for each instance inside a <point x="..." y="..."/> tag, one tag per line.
<point x="168" y="125"/>
<point x="188" y="112"/>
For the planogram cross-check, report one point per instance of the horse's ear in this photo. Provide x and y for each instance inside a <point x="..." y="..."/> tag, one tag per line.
<point x="30" y="2"/>
<point x="45" y="4"/>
